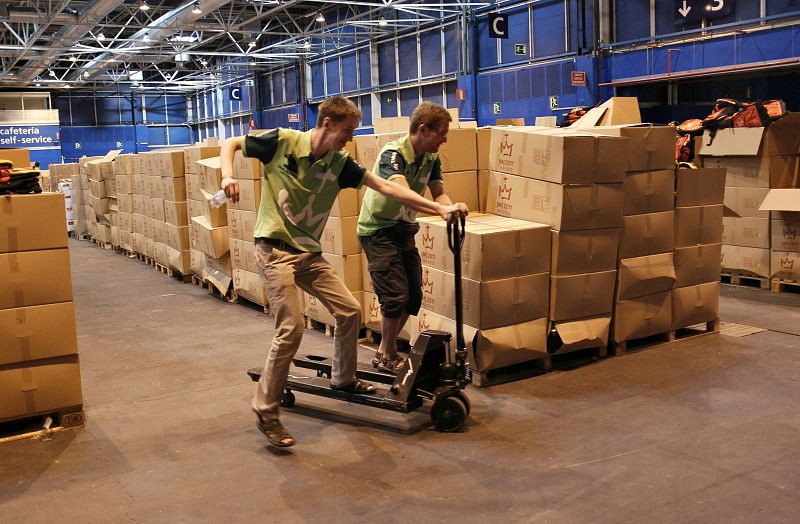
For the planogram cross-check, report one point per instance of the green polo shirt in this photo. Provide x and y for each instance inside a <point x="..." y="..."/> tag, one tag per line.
<point x="396" y="159"/>
<point x="298" y="190"/>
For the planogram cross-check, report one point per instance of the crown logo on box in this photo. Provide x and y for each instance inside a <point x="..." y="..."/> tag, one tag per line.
<point x="504" y="192"/>
<point x="427" y="284"/>
<point x="374" y="307"/>
<point x="789" y="233"/>
<point x="423" y="323"/>
<point x="427" y="238"/>
<point x="787" y="263"/>
<point x="312" y="300"/>
<point x="505" y="147"/>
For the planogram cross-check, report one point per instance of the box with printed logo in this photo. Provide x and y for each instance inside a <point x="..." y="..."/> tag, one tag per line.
<point x="460" y="186"/>
<point x="249" y="196"/>
<point x="746" y="231"/>
<point x="249" y="286"/>
<point x="785" y="227"/>
<point x="785" y="265"/>
<point x="746" y="260"/>
<point x="195" y="153"/>
<point x="339" y="236"/>
<point x="372" y="317"/>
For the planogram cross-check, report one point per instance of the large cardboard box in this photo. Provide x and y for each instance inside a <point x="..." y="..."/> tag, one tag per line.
<point x="617" y="110"/>
<point x="700" y="187"/>
<point x="584" y="251"/>
<point x="339" y="236"/>
<point x="250" y="286"/>
<point x="650" y="147"/>
<point x="488" y="304"/>
<point x="645" y="275"/>
<point x="460" y="151"/>
<point x="242" y="255"/>
<point x="249" y="196"/>
<point x="347" y="203"/>
<point x="37" y="389"/>
<point x="500" y="249"/>
<point x="583" y="333"/>
<point x="241" y="224"/>
<point x="368" y="146"/>
<point x="124" y="164"/>
<point x="59" y="171"/>
<point x="210" y="240"/>
<point x="392" y="124"/>
<point x="741" y="171"/>
<point x="697" y="264"/>
<point x="749" y="232"/>
<point x="192" y="154"/>
<point x="647" y="234"/>
<point x="170" y="163"/>
<point x="643" y="316"/>
<point x="581" y="295"/>
<point x="371" y="317"/>
<point x="217" y="216"/>
<point x="210" y="174"/>
<point x="37" y="332"/>
<point x="484" y="141"/>
<point x="698" y="225"/>
<point x="483" y="189"/>
<point x="173" y="189"/>
<point x="176" y="237"/>
<point x="175" y="213"/>
<point x="561" y="156"/>
<point x="592" y="206"/>
<point x="31" y="278"/>
<point x="746" y="260"/>
<point x="125" y="203"/>
<point x="460" y="186"/>
<point x="785" y="265"/>
<point x="649" y="192"/>
<point x="193" y="191"/>
<point x="695" y="304"/>
<point x="781" y="138"/>
<point x="745" y="201"/>
<point x="245" y="168"/>
<point x="157" y="209"/>
<point x="348" y="267"/>
<point x="31" y="222"/>
<point x="785" y="228"/>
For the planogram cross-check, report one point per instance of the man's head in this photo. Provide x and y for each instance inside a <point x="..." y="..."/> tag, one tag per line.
<point x="338" y="117"/>
<point x="429" y="126"/>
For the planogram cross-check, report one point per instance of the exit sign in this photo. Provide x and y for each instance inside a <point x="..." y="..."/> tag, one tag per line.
<point x="579" y="78"/>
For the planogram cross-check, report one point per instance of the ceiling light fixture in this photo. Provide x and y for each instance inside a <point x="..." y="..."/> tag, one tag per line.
<point x="320" y="18"/>
<point x="51" y="73"/>
<point x="251" y="44"/>
<point x="73" y="58"/>
<point x="101" y="37"/>
<point x="37" y="84"/>
<point x="382" y="22"/>
<point x="196" y="10"/>
<point x="143" y="6"/>
<point x="306" y="45"/>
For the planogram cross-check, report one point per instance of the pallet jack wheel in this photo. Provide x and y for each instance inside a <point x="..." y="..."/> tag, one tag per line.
<point x="287" y="400"/>
<point x="449" y="414"/>
<point x="463" y="398"/>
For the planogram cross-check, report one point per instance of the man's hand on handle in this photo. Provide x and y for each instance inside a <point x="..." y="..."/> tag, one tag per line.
<point x="459" y="208"/>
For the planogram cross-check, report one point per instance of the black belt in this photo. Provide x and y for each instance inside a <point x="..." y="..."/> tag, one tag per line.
<point x="280" y="244"/>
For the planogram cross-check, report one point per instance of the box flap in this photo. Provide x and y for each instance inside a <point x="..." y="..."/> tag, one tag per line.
<point x="591" y="118"/>
<point x="588" y="330"/>
<point x="781" y="200"/>
<point x="510" y="122"/>
<point x="614" y="111"/>
<point x="213" y="162"/>
<point x="735" y="141"/>
<point x="111" y="155"/>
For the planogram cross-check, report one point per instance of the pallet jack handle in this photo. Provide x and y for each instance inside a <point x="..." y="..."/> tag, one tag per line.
<point x="455" y="240"/>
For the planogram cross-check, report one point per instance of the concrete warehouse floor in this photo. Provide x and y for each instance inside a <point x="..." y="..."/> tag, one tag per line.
<point x="702" y="430"/>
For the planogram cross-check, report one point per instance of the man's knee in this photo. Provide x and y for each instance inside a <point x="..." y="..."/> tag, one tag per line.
<point x="349" y="310"/>
<point x="395" y="306"/>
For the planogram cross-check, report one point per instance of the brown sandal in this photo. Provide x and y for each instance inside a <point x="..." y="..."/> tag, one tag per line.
<point x="391" y="365"/>
<point x="275" y="432"/>
<point x="357" y="386"/>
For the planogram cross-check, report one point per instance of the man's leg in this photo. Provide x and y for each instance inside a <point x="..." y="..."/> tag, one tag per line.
<point x="390" y="328"/>
<point x="318" y="278"/>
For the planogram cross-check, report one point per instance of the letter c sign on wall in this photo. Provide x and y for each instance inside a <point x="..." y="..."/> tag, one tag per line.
<point x="498" y="25"/>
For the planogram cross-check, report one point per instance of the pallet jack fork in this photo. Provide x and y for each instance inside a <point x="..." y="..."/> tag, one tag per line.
<point x="433" y="371"/>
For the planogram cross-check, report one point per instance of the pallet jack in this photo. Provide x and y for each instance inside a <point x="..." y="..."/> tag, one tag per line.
<point x="433" y="371"/>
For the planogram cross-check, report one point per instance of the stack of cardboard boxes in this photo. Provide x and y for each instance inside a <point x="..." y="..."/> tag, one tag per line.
<point x="172" y="245"/>
<point x="571" y="181"/>
<point x="101" y="181"/>
<point x="195" y="202"/>
<point x="124" y="167"/>
<point x="698" y="251"/>
<point x="140" y="200"/>
<point x="241" y="223"/>
<point x="39" y="370"/>
<point x="68" y="174"/>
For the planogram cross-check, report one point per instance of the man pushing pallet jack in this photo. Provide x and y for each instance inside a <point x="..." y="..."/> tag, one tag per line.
<point x="303" y="174"/>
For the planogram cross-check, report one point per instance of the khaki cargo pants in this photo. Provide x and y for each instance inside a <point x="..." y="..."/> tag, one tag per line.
<point x="283" y="271"/>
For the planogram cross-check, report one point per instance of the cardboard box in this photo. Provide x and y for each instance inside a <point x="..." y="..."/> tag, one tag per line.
<point x="31" y="278"/>
<point x="176" y="237"/>
<point x="249" y="286"/>
<point x="193" y="191"/>
<point x="643" y="316"/>
<point x="339" y="236"/>
<point x="218" y="272"/>
<point x="242" y="255"/>
<point x="583" y="333"/>
<point x="581" y="295"/>
<point x="746" y="260"/>
<point x="484" y="140"/>
<point x="157" y="209"/>
<point x="37" y="332"/>
<point x="139" y="184"/>
<point x="249" y="196"/>
<point x="698" y="225"/>
<point x="781" y="200"/>
<point x="371" y="317"/>
<point x="700" y="187"/>
<point x="348" y="267"/>
<point x="584" y="251"/>
<point x="501" y="249"/>
<point x="196" y="208"/>
<point x="155" y="187"/>
<point x="593" y="206"/>
<point x="697" y="264"/>
<point x="488" y="304"/>
<point x="126" y="222"/>
<point x="368" y="146"/>
<point x="509" y="122"/>
<point x="745" y="201"/>
<point x="781" y="138"/>
<point x="125" y="203"/>
<point x="647" y="234"/>
<point x="40" y="388"/>
<point x="557" y="155"/>
<point x="785" y="265"/>
<point x="197" y="261"/>
<point x="649" y="192"/>
<point x="59" y="171"/>
<point x="741" y="171"/>
<point x="32" y="222"/>
<point x="460" y="151"/>
<point x="483" y="189"/>
<point x="785" y="231"/>
<point x="347" y="204"/>
<point x="170" y="163"/>
<point x="461" y="186"/>
<point x="212" y="241"/>
<point x="695" y="304"/>
<point x="245" y="168"/>
<point x="195" y="153"/>
<point x="617" y="110"/>
<point x="645" y="275"/>
<point x="175" y="213"/>
<point x="124" y="164"/>
<point x="98" y="189"/>
<point x="210" y="174"/>
<point x="394" y="124"/>
<point x="650" y="147"/>
<point x="241" y="224"/>
<point x="173" y="189"/>
<point x="749" y="232"/>
<point x="217" y="216"/>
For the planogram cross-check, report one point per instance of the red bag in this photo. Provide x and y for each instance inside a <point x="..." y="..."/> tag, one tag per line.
<point x="760" y="114"/>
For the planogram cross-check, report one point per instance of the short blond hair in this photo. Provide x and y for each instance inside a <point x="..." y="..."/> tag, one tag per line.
<point x="430" y="114"/>
<point x="338" y="109"/>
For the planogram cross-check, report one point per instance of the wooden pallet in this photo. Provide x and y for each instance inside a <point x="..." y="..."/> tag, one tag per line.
<point x="519" y="371"/>
<point x="574" y="359"/>
<point x="745" y="280"/>
<point x="82" y="236"/>
<point x="144" y="258"/>
<point x="637" y="344"/>
<point x="238" y="299"/>
<point x="316" y="325"/>
<point x="170" y="272"/>
<point x="228" y="296"/>
<point x="706" y="328"/>
<point x="41" y="425"/>
<point x="778" y="285"/>
<point x="104" y="245"/>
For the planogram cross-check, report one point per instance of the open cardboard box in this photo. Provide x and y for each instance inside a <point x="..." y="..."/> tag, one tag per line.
<point x="614" y="111"/>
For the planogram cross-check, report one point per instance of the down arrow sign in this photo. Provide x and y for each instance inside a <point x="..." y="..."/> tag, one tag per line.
<point x="685" y="9"/>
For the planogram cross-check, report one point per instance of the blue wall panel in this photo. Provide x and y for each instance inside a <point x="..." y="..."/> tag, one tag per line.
<point x="549" y="35"/>
<point x="364" y="71"/>
<point x="349" y="74"/>
<point x="317" y="80"/>
<point x="487" y="47"/>
<point x="332" y="76"/>
<point x="452" y="49"/>
<point x="430" y="44"/>
<point x="518" y="33"/>
<point x="386" y="63"/>
<point x="407" y="54"/>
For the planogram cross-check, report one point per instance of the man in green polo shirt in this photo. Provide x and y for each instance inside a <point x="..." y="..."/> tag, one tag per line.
<point x="303" y="174"/>
<point x="387" y="227"/>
